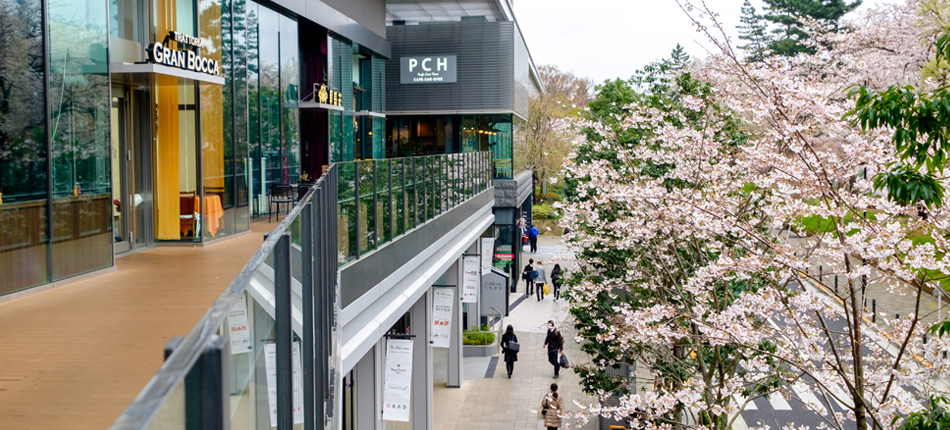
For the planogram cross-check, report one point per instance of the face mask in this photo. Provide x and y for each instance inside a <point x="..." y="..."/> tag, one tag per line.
<point x="550" y="327"/>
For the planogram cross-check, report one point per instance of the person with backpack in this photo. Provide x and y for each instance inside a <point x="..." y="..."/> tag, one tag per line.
<point x="527" y="275"/>
<point x="551" y="407"/>
<point x="540" y="279"/>
<point x="510" y="348"/>
<point x="533" y="238"/>
<point x="554" y="343"/>
<point x="556" y="281"/>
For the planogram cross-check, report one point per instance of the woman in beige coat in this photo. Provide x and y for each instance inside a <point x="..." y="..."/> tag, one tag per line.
<point x="551" y="407"/>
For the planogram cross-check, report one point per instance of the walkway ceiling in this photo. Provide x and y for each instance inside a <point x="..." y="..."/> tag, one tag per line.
<point x="417" y="11"/>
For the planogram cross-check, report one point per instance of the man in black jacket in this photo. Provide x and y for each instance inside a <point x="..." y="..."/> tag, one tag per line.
<point x="554" y="342"/>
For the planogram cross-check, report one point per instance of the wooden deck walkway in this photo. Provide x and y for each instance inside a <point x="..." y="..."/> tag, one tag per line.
<point x="74" y="357"/>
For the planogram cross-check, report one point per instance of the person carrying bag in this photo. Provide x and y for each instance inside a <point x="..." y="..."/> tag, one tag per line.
<point x="510" y="348"/>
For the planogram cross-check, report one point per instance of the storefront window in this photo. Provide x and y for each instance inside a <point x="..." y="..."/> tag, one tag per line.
<point x="23" y="156"/>
<point x="79" y="133"/>
<point x="289" y="94"/>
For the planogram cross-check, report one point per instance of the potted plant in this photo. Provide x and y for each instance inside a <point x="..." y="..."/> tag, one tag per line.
<point x="479" y="342"/>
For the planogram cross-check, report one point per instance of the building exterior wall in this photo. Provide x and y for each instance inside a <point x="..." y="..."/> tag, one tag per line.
<point x="485" y="68"/>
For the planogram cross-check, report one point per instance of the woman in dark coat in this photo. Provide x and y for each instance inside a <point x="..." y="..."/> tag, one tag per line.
<point x="556" y="281"/>
<point x="510" y="356"/>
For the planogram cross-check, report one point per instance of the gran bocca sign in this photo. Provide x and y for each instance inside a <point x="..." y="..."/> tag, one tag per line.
<point x="160" y="53"/>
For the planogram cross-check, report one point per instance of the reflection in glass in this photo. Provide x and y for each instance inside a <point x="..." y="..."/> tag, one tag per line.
<point x="23" y="155"/>
<point x="79" y="133"/>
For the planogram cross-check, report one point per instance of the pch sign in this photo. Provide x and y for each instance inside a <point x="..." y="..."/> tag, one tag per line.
<point x="434" y="69"/>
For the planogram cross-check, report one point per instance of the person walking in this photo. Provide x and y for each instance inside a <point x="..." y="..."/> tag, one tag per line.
<point x="533" y="238"/>
<point x="556" y="281"/>
<point x="511" y="355"/>
<point x="540" y="280"/>
<point x="527" y="274"/>
<point x="554" y="343"/>
<point x="551" y="407"/>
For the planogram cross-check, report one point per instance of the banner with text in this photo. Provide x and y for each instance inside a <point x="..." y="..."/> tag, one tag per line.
<point x="443" y="301"/>
<point x="397" y="389"/>
<point x="237" y="327"/>
<point x="270" y="363"/>
<point x="470" y="267"/>
<point x="488" y="249"/>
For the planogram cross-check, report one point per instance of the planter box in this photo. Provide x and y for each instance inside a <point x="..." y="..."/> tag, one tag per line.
<point x="480" y="350"/>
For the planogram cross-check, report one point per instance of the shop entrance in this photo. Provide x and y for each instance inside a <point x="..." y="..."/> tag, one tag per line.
<point x="131" y="170"/>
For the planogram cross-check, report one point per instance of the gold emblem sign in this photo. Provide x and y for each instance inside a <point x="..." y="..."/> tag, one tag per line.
<point x="328" y="96"/>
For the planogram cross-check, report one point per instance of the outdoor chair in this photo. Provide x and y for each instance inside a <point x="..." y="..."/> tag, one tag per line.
<point x="280" y="194"/>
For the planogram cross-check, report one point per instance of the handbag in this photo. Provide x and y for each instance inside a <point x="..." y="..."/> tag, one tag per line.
<point x="514" y="346"/>
<point x="563" y="362"/>
<point x="547" y="289"/>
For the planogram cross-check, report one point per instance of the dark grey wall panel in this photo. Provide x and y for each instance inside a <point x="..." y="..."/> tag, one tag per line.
<point x="486" y="61"/>
<point x="360" y="276"/>
<point x="362" y="21"/>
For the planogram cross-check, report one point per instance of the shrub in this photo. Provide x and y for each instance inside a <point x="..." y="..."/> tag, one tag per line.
<point x="544" y="212"/>
<point x="550" y="197"/>
<point x="478" y="336"/>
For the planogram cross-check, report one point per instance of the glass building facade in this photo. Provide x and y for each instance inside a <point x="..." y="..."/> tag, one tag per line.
<point x="410" y="135"/>
<point x="103" y="150"/>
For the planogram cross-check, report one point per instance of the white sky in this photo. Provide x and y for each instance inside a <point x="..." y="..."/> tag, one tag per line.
<point x="607" y="39"/>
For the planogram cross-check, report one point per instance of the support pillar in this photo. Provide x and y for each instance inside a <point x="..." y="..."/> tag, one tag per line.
<point x="454" y="378"/>
<point x="367" y="412"/>
<point x="421" y="405"/>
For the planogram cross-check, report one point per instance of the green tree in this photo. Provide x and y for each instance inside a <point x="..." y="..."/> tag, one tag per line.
<point x="788" y="35"/>
<point x="753" y="30"/>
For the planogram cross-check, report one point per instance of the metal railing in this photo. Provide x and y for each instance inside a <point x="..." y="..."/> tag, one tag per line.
<point x="247" y="345"/>
<point x="244" y="360"/>
<point x="382" y="199"/>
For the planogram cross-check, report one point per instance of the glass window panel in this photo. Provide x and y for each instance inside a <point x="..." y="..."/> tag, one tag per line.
<point x="290" y="89"/>
<point x="24" y="176"/>
<point x="80" y="106"/>
<point x="255" y="154"/>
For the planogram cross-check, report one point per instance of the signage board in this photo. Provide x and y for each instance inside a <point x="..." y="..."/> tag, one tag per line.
<point x="494" y="294"/>
<point x="237" y="327"/>
<point x="432" y="69"/>
<point x="505" y="256"/>
<point x="398" y="384"/>
<point x="270" y="365"/>
<point x="327" y="96"/>
<point x="443" y="303"/>
<point x="488" y="246"/>
<point x="181" y="58"/>
<point x="471" y="268"/>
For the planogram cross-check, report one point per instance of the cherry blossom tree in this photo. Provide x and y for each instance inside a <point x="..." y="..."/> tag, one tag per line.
<point x="690" y="223"/>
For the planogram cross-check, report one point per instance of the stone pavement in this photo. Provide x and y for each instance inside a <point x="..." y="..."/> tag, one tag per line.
<point x="494" y="402"/>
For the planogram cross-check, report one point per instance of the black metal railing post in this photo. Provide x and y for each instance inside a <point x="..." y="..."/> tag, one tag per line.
<point x="282" y="313"/>
<point x="205" y="389"/>
<point x="306" y="296"/>
<point x="375" y="210"/>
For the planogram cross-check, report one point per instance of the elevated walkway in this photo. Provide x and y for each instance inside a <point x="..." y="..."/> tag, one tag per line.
<point x="74" y="357"/>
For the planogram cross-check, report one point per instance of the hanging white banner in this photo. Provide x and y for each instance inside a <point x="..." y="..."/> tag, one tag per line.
<point x="488" y="250"/>
<point x="443" y="301"/>
<point x="398" y="384"/>
<point x="470" y="279"/>
<point x="237" y="327"/>
<point x="270" y="364"/>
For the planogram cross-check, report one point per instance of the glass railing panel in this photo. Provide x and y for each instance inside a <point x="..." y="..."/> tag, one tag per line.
<point x="171" y="415"/>
<point x="251" y="331"/>
<point x="346" y="212"/>
<point x="384" y="218"/>
<point x="431" y="186"/>
<point x="420" y="190"/>
<point x="367" y="209"/>
<point x="410" y="197"/>
<point x="399" y="195"/>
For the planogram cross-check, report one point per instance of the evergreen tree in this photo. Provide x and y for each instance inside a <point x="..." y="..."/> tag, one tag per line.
<point x="752" y="29"/>
<point x="789" y="36"/>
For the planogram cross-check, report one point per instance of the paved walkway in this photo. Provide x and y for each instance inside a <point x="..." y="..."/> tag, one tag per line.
<point x="498" y="403"/>
<point x="74" y="357"/>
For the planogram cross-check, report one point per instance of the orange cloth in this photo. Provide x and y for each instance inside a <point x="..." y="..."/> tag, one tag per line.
<point x="213" y="213"/>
